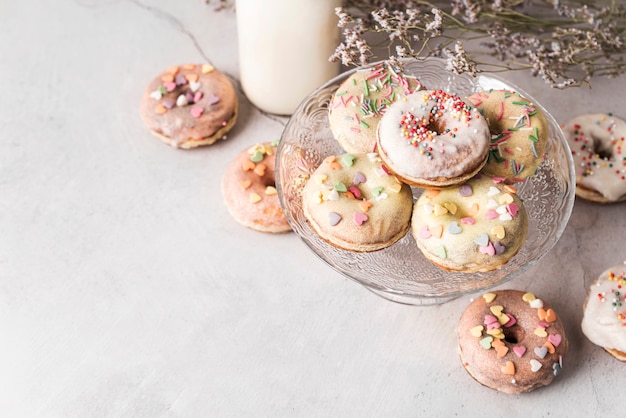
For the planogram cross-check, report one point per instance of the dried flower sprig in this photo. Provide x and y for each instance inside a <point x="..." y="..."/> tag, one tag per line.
<point x="563" y="42"/>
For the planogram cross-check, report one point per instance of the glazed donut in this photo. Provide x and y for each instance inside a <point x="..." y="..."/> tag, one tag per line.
<point x="596" y="141"/>
<point x="249" y="191"/>
<point x="353" y="203"/>
<point x="511" y="341"/>
<point x="189" y="106"/>
<point x="519" y="134"/>
<point x="359" y="102"/>
<point x="433" y="139"/>
<point x="604" y="319"/>
<point x="478" y="226"/>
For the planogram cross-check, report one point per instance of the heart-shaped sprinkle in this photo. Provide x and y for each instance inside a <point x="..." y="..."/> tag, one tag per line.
<point x="340" y="187"/>
<point x="428" y="208"/>
<point x="192" y="78"/>
<point x="508" y="368"/>
<point x="320" y="178"/>
<point x="360" y="218"/>
<point x="468" y="221"/>
<point x="536" y="303"/>
<point x="189" y="97"/>
<point x="512" y="321"/>
<point x="156" y="95"/>
<point x="382" y="196"/>
<point x="376" y="191"/>
<point x="486" y="342"/>
<point x="168" y="78"/>
<point x="503" y="319"/>
<point x="271" y="190"/>
<point x="207" y="68"/>
<point x="364" y="205"/>
<point x="497" y="180"/>
<point x="431" y="193"/>
<point x="505" y="198"/>
<point x="254" y="198"/>
<point x="550" y="315"/>
<point x="333" y="195"/>
<point x="519" y="350"/>
<point x="454" y="228"/>
<point x="490" y="319"/>
<point x="197" y="97"/>
<point x="543" y="324"/>
<point x="465" y="190"/>
<point x="330" y="159"/>
<point x="498" y="231"/>
<point x="512" y="208"/>
<point x="501" y="210"/>
<point x="260" y="169"/>
<point x="493" y="191"/>
<point x="452" y="208"/>
<point x="491" y="214"/>
<point x="499" y="248"/>
<point x="556" y="367"/>
<point x="194" y="85"/>
<point x="496" y="310"/>
<point x="212" y="99"/>
<point x="160" y="109"/>
<point x="347" y="160"/>
<point x="550" y="347"/>
<point x="528" y="297"/>
<point x="180" y="80"/>
<point x="482" y="240"/>
<point x="491" y="204"/>
<point x="542" y="314"/>
<point x="541" y="352"/>
<point x="436" y="231"/>
<point x="257" y="156"/>
<point x="505" y="217"/>
<point x="395" y="187"/>
<point x="541" y="332"/>
<point x="440" y="210"/>
<point x="355" y="191"/>
<point x="489" y="297"/>
<point x="501" y="349"/>
<point x="334" y="218"/>
<point x="196" y="111"/>
<point x="169" y="86"/>
<point x="245" y="184"/>
<point x="488" y="250"/>
<point x="247" y="165"/>
<point x="359" y="178"/>
<point x="555" y="339"/>
<point x="535" y="365"/>
<point x="473" y="210"/>
<point x="496" y="333"/>
<point x="477" y="331"/>
<point x="173" y="69"/>
<point x="168" y="103"/>
<point x="441" y="252"/>
<point x="424" y="232"/>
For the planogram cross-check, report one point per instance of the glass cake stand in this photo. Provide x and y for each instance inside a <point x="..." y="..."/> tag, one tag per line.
<point x="400" y="272"/>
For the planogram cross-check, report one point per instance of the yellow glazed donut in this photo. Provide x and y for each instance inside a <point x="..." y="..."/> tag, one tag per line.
<point x="360" y="101"/>
<point x="189" y="106"/>
<point x="519" y="134"/>
<point x="478" y="226"/>
<point x="511" y="341"/>
<point x="249" y="192"/>
<point x="353" y="203"/>
<point x="597" y="144"/>
<point x="433" y="139"/>
<point x="604" y="320"/>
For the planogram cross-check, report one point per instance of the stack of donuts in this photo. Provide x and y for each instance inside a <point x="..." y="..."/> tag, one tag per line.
<point x="467" y="154"/>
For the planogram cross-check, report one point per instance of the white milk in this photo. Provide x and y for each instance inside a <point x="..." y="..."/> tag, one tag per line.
<point x="284" y="46"/>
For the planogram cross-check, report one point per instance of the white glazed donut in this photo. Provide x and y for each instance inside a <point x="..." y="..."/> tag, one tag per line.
<point x="597" y="144"/>
<point x="433" y="139"/>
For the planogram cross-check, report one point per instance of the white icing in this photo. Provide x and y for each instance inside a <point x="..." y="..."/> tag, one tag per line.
<point x="445" y="158"/>
<point x="603" y="176"/>
<point x="600" y="321"/>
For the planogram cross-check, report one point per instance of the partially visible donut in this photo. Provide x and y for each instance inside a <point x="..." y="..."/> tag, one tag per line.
<point x="599" y="153"/>
<point x="249" y="192"/>
<point x="353" y="203"/>
<point x="511" y="341"/>
<point x="604" y="319"/>
<point x="519" y="134"/>
<point x="190" y="106"/>
<point x="478" y="226"/>
<point x="360" y="101"/>
<point x="433" y="139"/>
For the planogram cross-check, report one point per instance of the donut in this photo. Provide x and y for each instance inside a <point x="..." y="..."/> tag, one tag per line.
<point x="249" y="192"/>
<point x="604" y="319"/>
<point x="353" y="203"/>
<point x="189" y="106"/>
<point x="357" y="105"/>
<point x="433" y="139"/>
<point x="478" y="226"/>
<point x="519" y="134"/>
<point x="511" y="341"/>
<point x="596" y="141"/>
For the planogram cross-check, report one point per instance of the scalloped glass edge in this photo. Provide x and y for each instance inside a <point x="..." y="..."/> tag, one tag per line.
<point x="295" y="162"/>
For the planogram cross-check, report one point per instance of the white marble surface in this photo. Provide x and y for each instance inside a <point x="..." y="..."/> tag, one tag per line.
<point x="127" y="290"/>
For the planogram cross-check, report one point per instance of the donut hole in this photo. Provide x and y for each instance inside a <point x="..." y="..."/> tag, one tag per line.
<point x="514" y="335"/>
<point x="601" y="148"/>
